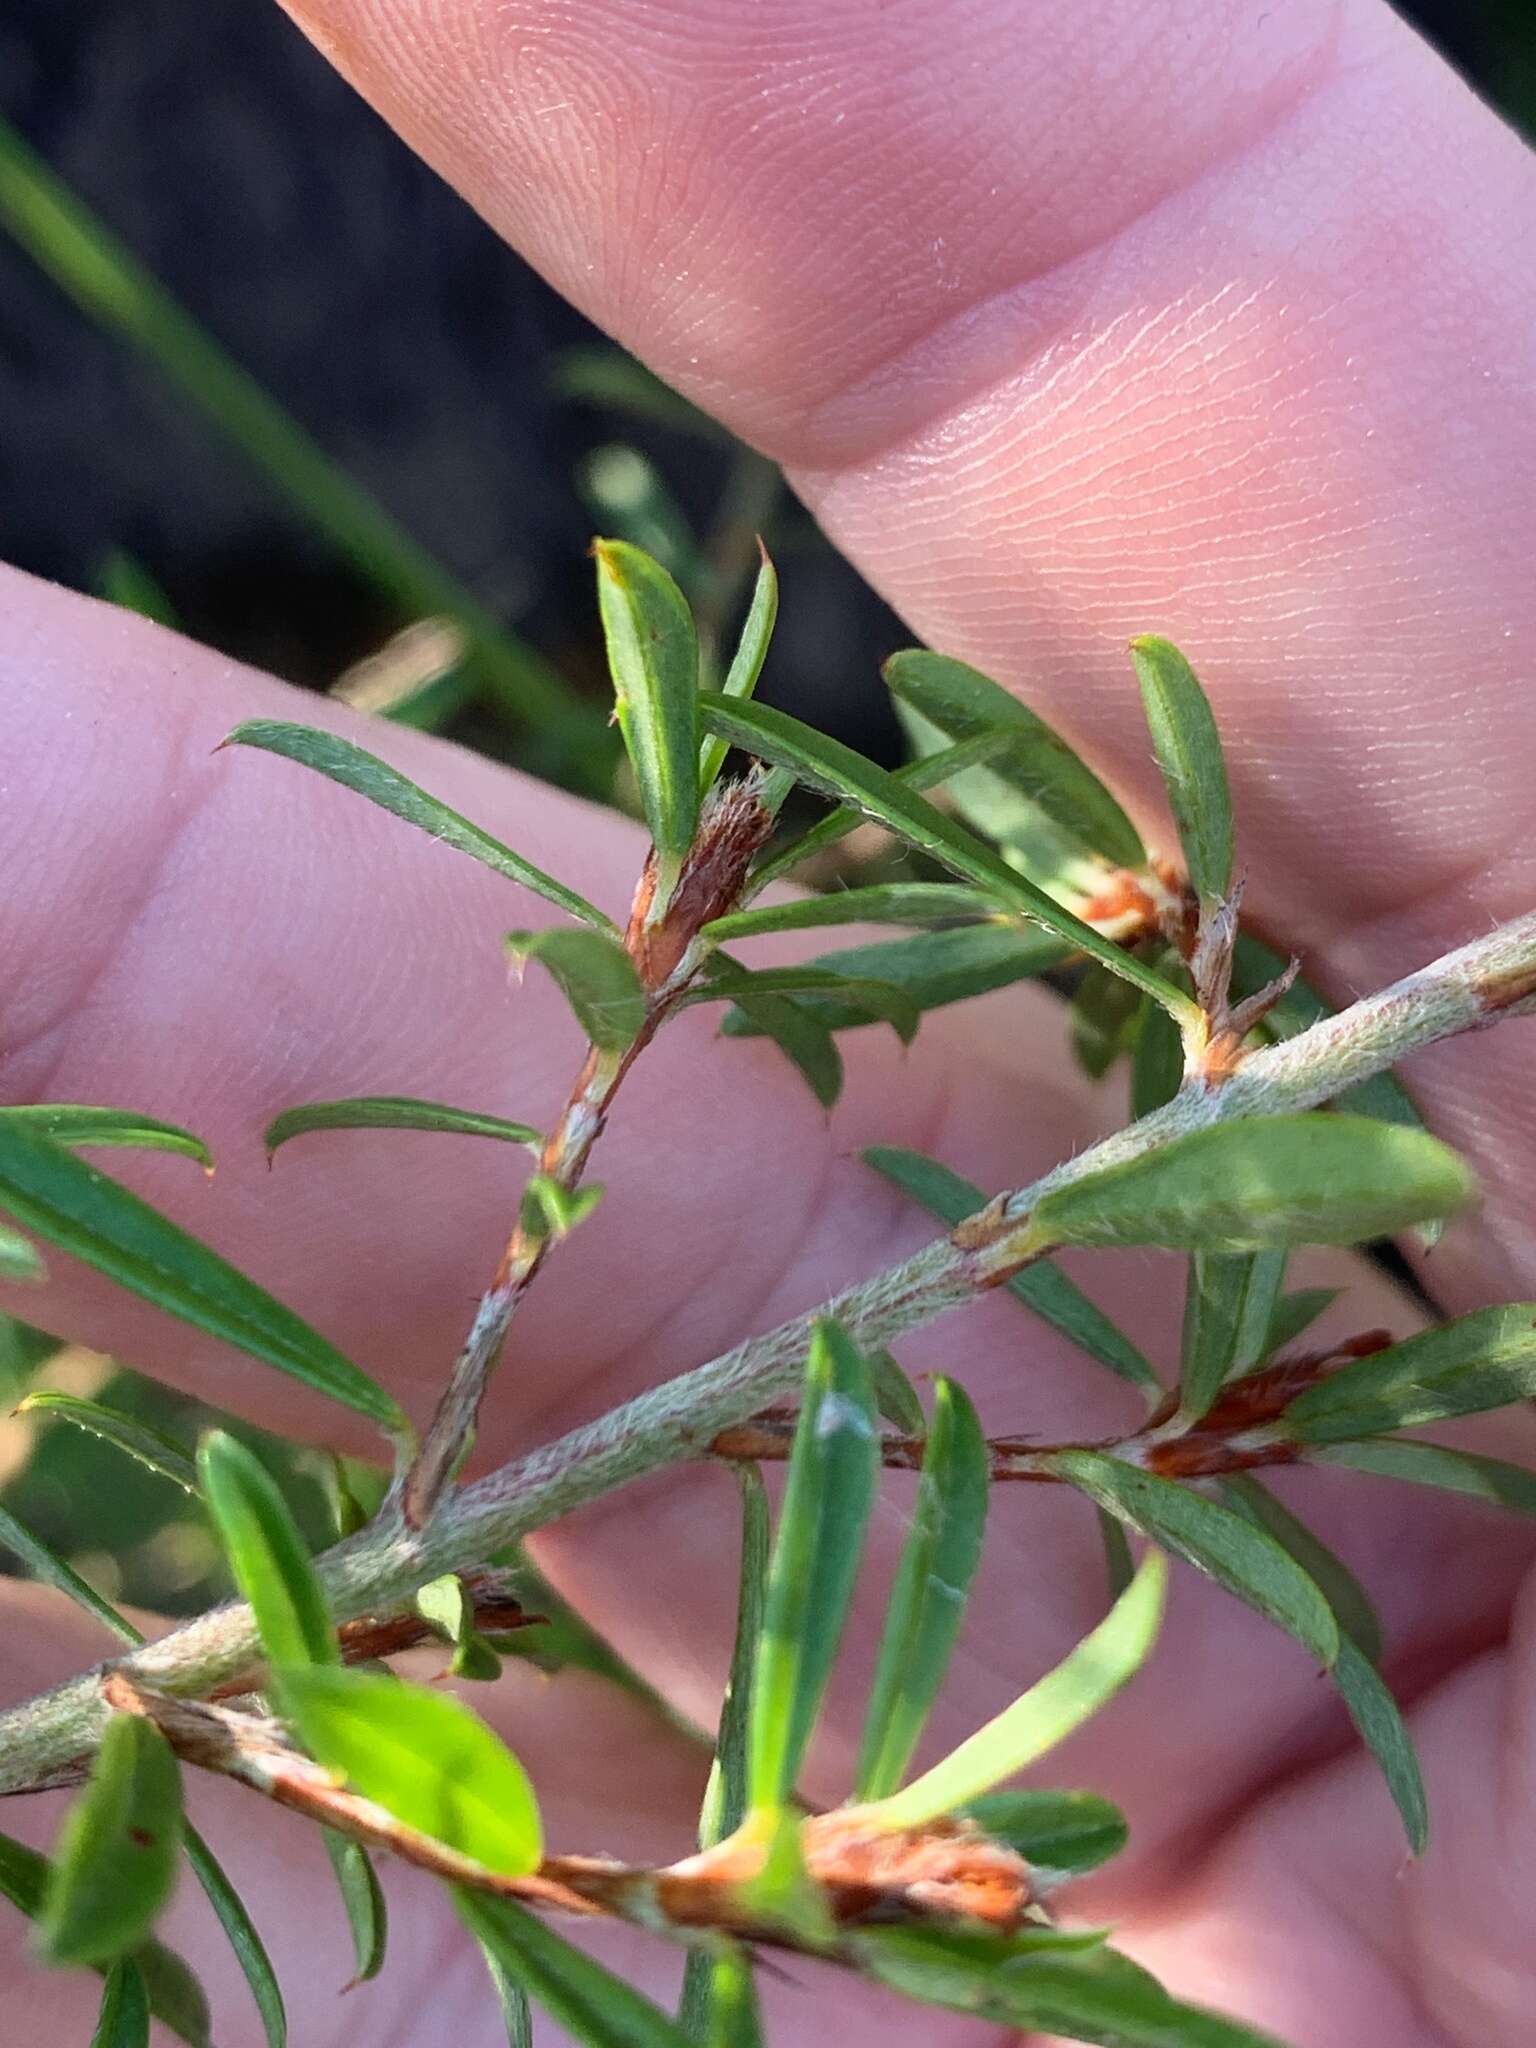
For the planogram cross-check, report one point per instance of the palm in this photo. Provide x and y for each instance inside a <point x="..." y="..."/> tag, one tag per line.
<point x="1045" y="406"/>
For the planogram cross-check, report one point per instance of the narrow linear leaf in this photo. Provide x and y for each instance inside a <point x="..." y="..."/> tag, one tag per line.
<point x="1223" y="1545"/>
<point x="1188" y="749"/>
<point x="369" y="777"/>
<point x="1490" y="1479"/>
<point x="1352" y="1605"/>
<point x="595" y="975"/>
<point x="138" y="1439"/>
<point x="933" y="968"/>
<point x="362" y="1899"/>
<point x="590" y="2002"/>
<point x="1483" y="1360"/>
<point x="123" y="2021"/>
<point x="73" y="1123"/>
<point x="240" y="1931"/>
<point x="828" y="1496"/>
<point x="1042" y="1287"/>
<point x="895" y="1396"/>
<point x="1294" y="1313"/>
<point x="1260" y="1183"/>
<point x="176" y="1998"/>
<point x="927" y="1603"/>
<point x="45" y="1565"/>
<point x="422" y="1756"/>
<point x="882" y="903"/>
<point x="1157" y="1061"/>
<point x="99" y="1222"/>
<point x="1086" y="1993"/>
<point x="19" y="1257"/>
<point x="653" y="658"/>
<point x="114" y="1864"/>
<point x="747" y="662"/>
<point x="268" y="1557"/>
<point x="827" y="764"/>
<point x="1059" y="1834"/>
<point x="964" y="704"/>
<point x="516" y="2013"/>
<point x="730" y="2018"/>
<point x="1119" y="1565"/>
<point x="725" y="1795"/>
<point x="1385" y="1734"/>
<point x="394" y="1113"/>
<point x="802" y="1037"/>
<point x="868" y="1001"/>
<point x="1229" y="1300"/>
<point x="1085" y="1680"/>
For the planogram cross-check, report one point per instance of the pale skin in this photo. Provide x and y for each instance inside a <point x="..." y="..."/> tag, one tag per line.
<point x="1068" y="323"/>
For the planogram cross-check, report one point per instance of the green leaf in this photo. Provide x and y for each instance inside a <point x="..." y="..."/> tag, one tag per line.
<point x="868" y="1001"/>
<point x="1229" y="1300"/>
<point x="964" y="704"/>
<point x="115" y="1861"/>
<point x="1483" y="1360"/>
<point x="516" y="2012"/>
<point x="722" y="2011"/>
<point x="98" y="1222"/>
<point x="829" y="1493"/>
<point x="362" y="1900"/>
<point x="653" y="657"/>
<point x="882" y="903"/>
<point x="747" y="662"/>
<point x="551" y="1209"/>
<point x="1157" y="1060"/>
<point x="240" y="1931"/>
<point x="19" y="1258"/>
<point x="933" y="968"/>
<point x="827" y="764"/>
<point x="123" y="2021"/>
<point x="895" y="1396"/>
<point x="725" y="1795"/>
<point x="1384" y="1732"/>
<point x="1059" y="1834"/>
<point x="1085" y="1680"/>
<point x="1225" y="1546"/>
<point x="592" y="2004"/>
<point x="140" y="1440"/>
<point x="394" y="1113"/>
<point x="268" y="1558"/>
<point x="446" y="1605"/>
<point x="1352" y="1606"/>
<point x="1189" y="753"/>
<point x="374" y="779"/>
<point x="1490" y="1479"/>
<point x="73" y="1123"/>
<point x="422" y="1756"/>
<point x="123" y="579"/>
<point x="927" y="1603"/>
<point x="595" y="975"/>
<point x="1119" y="1565"/>
<point x="1043" y="1988"/>
<point x="47" y="1566"/>
<point x="1257" y="1183"/>
<point x="1294" y="1313"/>
<point x="175" y="1997"/>
<point x="1106" y="1014"/>
<point x="782" y="1893"/>
<point x="1042" y="1287"/>
<point x="798" y="1032"/>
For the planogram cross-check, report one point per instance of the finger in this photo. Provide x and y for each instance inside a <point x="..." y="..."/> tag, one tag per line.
<point x="1075" y="323"/>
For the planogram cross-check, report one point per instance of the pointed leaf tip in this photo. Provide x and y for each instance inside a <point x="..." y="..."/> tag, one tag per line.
<point x="1188" y="748"/>
<point x="653" y="657"/>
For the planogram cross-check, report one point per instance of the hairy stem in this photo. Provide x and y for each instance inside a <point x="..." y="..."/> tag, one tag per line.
<point x="1494" y="976"/>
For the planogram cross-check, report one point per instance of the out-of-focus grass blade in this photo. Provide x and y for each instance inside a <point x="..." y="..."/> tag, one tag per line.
<point x="339" y="761"/>
<point x="99" y="1222"/>
<point x="964" y="704"/>
<point x="395" y="1113"/>
<point x="123" y="580"/>
<point x="1042" y="1287"/>
<point x="1189" y="753"/>
<point x="1086" y="1679"/>
<point x="828" y="1496"/>
<point x="74" y="1123"/>
<point x="927" y="1603"/>
<point x="653" y="658"/>
<point x="114" y="1865"/>
<point x="592" y="2004"/>
<point x="138" y="1439"/>
<point x="827" y="764"/>
<point x="1225" y="1546"/>
<point x="97" y="271"/>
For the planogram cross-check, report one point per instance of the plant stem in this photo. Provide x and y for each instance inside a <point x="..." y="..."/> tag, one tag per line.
<point x="1493" y="977"/>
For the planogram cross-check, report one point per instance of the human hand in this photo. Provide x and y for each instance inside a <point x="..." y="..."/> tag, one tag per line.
<point x="1068" y="324"/>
